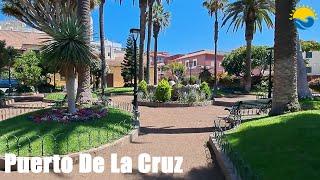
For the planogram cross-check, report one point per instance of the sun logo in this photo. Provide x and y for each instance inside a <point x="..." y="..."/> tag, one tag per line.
<point x="303" y="17"/>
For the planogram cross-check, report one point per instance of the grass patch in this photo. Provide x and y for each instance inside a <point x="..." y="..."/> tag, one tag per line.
<point x="281" y="148"/>
<point x="72" y="137"/>
<point x="310" y="104"/>
<point x="58" y="96"/>
<point x="122" y="90"/>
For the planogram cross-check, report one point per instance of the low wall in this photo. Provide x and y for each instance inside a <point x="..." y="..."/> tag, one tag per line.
<point x="168" y="104"/>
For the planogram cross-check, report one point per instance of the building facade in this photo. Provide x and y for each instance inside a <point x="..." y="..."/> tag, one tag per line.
<point x="313" y="63"/>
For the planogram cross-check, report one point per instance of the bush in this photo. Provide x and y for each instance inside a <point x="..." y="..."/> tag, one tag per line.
<point x="177" y="92"/>
<point x="24" y="89"/>
<point x="163" y="91"/>
<point x="143" y="87"/>
<point x="46" y="88"/>
<point x="228" y="82"/>
<point x="186" y="80"/>
<point x="1" y="94"/>
<point x="193" y="96"/>
<point x="204" y="87"/>
<point x="315" y="84"/>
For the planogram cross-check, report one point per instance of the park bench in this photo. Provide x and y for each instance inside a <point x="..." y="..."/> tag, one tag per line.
<point x="244" y="110"/>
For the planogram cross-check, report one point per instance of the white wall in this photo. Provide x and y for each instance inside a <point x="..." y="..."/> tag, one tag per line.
<point x="313" y="62"/>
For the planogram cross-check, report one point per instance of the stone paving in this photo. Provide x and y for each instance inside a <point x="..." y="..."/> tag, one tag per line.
<point x="164" y="132"/>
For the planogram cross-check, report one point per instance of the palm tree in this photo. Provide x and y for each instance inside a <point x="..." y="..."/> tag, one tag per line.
<point x="84" y="91"/>
<point x="285" y="96"/>
<point x="102" y="46"/>
<point x="66" y="50"/>
<point x="161" y="20"/>
<point x="251" y="14"/>
<point x="143" y="18"/>
<point x="150" y="7"/>
<point x="213" y="7"/>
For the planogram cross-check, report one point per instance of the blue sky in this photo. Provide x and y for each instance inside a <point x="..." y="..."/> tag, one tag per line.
<point x="191" y="28"/>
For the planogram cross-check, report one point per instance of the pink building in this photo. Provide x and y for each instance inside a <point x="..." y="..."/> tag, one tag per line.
<point x="199" y="59"/>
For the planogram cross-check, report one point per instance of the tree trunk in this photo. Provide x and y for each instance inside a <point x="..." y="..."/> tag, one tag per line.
<point x="249" y="37"/>
<point x="102" y="47"/>
<point x="247" y="75"/>
<point x="84" y="91"/>
<point x="155" y="59"/>
<point x="143" y="9"/>
<point x="285" y="96"/>
<point x="151" y="2"/>
<point x="70" y="86"/>
<point x="303" y="86"/>
<point x="216" y="31"/>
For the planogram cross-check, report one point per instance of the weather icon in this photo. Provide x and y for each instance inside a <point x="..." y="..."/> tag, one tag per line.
<point x="303" y="17"/>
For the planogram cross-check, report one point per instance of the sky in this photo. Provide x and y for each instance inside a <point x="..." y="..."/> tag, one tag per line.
<point x="191" y="27"/>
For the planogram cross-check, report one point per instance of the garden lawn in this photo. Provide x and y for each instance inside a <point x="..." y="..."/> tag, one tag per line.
<point x="281" y="148"/>
<point x="59" y="96"/>
<point x="121" y="90"/>
<point x="72" y="137"/>
<point x="310" y="104"/>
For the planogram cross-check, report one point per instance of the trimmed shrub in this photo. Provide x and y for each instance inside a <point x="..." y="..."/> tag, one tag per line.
<point x="204" y="87"/>
<point x="24" y="89"/>
<point x="315" y="84"/>
<point x="163" y="91"/>
<point x="143" y="87"/>
<point x="1" y="94"/>
<point x="177" y="91"/>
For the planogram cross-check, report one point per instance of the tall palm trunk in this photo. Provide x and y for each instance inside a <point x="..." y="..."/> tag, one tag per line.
<point x="102" y="46"/>
<point x="151" y="2"/>
<point x="84" y="92"/>
<point x="143" y="19"/>
<point x="70" y="86"/>
<point x="216" y="31"/>
<point x="249" y="38"/>
<point x="285" y="96"/>
<point x="303" y="87"/>
<point x="155" y="75"/>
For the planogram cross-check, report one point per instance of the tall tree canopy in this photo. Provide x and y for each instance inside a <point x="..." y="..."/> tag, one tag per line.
<point x="234" y="63"/>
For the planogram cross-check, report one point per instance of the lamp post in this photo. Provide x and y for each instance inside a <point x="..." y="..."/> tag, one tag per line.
<point x="270" y="69"/>
<point x="135" y="34"/>
<point x="10" y="84"/>
<point x="190" y="66"/>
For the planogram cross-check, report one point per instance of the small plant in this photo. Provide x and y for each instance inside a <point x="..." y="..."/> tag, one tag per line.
<point x="315" y="84"/>
<point x="163" y="91"/>
<point x="193" y="96"/>
<point x="143" y="87"/>
<point x="1" y="94"/>
<point x="204" y="88"/>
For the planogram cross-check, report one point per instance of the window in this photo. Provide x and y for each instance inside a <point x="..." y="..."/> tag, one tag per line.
<point x="194" y="63"/>
<point x="309" y="69"/>
<point x="187" y="63"/>
<point x="309" y="54"/>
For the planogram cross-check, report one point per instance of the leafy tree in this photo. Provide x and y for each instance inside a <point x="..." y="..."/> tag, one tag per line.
<point x="310" y="46"/>
<point x="234" y="63"/>
<point x="6" y="54"/>
<point x="205" y="74"/>
<point x="161" y="20"/>
<point x="27" y="69"/>
<point x="176" y="69"/>
<point x="251" y="14"/>
<point x="127" y="66"/>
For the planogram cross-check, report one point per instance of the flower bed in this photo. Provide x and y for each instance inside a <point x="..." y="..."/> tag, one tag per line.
<point x="62" y="115"/>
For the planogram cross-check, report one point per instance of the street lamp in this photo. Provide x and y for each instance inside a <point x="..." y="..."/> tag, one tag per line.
<point x="270" y="69"/>
<point x="190" y="66"/>
<point x="135" y="34"/>
<point x="10" y="84"/>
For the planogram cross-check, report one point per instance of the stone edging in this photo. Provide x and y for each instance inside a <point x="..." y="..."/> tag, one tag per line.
<point x="75" y="156"/>
<point x="225" y="164"/>
<point x="158" y="104"/>
<point x="6" y="102"/>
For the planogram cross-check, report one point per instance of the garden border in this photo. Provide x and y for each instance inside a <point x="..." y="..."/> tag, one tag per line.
<point x="6" y="102"/>
<point x="130" y="137"/>
<point x="225" y="164"/>
<point x="173" y="105"/>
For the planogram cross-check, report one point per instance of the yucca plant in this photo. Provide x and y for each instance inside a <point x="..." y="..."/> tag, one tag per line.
<point x="66" y="50"/>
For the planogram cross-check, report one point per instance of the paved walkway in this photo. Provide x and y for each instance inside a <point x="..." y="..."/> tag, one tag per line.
<point x="165" y="132"/>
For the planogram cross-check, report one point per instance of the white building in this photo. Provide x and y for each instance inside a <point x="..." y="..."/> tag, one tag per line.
<point x="313" y="62"/>
<point x="113" y="49"/>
